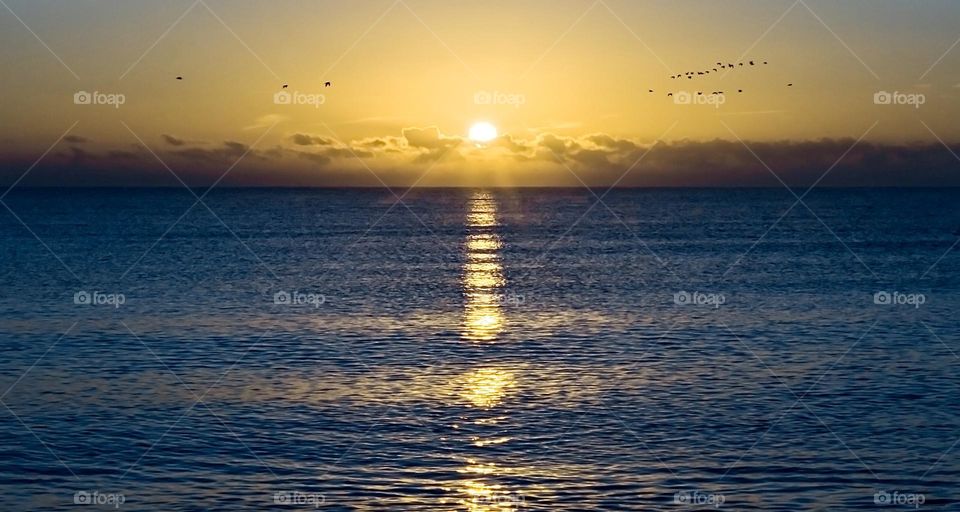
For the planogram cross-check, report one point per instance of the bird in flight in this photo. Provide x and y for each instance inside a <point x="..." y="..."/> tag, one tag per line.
<point x="284" y="86"/>
<point x="179" y="78"/>
<point x="327" y="84"/>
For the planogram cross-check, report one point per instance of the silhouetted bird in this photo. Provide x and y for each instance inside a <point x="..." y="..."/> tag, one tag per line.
<point x="669" y="94"/>
<point x="179" y="78"/>
<point x="751" y="62"/>
<point x="284" y="86"/>
<point x="651" y="90"/>
<point x="739" y="90"/>
<point x="327" y="84"/>
<point x="764" y="63"/>
<point x="699" y="94"/>
<point x="789" y="85"/>
<point x="741" y="64"/>
<point x="714" y="70"/>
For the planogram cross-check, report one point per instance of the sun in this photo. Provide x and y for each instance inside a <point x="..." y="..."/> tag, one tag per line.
<point x="483" y="132"/>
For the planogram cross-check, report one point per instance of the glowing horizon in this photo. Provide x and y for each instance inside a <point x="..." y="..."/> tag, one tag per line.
<point x="569" y="95"/>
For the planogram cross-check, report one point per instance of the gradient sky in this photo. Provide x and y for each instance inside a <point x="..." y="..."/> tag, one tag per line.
<point x="407" y="76"/>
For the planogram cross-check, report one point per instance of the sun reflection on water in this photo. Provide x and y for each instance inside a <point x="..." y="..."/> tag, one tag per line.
<point x="486" y="387"/>
<point x="482" y="272"/>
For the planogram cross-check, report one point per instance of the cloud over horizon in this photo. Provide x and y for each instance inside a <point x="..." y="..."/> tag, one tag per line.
<point x="427" y="157"/>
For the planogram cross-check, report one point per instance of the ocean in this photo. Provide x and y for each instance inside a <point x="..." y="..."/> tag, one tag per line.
<point x="479" y="350"/>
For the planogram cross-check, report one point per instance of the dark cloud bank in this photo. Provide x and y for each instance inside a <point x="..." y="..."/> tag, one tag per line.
<point x="547" y="160"/>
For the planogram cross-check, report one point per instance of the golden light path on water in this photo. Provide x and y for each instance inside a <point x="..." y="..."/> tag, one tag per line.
<point x="484" y="388"/>
<point x="482" y="273"/>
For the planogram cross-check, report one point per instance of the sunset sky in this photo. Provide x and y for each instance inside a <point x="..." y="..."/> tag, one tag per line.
<point x="565" y="82"/>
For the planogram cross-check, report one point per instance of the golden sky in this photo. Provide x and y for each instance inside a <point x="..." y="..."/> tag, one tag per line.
<point x="565" y="82"/>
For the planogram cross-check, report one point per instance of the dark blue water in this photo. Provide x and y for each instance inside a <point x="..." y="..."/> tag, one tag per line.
<point x="479" y="350"/>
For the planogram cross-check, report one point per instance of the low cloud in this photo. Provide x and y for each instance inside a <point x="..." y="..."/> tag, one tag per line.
<point x="229" y="151"/>
<point x="173" y="141"/>
<point x="302" y="139"/>
<point x="547" y="159"/>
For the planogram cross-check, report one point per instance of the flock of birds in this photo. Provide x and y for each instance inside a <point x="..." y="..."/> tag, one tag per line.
<point x="325" y="84"/>
<point x="690" y="75"/>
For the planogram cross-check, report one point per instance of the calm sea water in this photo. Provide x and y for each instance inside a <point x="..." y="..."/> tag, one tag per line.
<point x="479" y="350"/>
